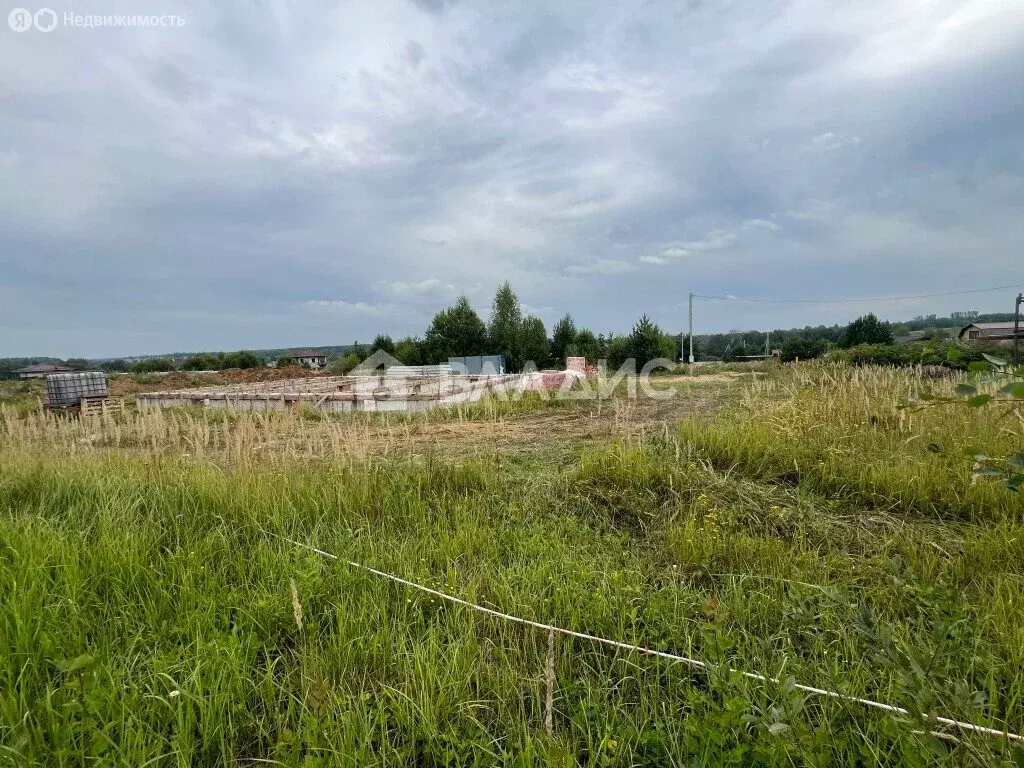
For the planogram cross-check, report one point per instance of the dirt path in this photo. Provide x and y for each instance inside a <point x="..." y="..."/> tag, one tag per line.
<point x="562" y="431"/>
<point x="727" y="377"/>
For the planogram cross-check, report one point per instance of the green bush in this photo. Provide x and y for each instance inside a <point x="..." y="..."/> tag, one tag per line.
<point x="204" y="361"/>
<point x="243" y="359"/>
<point x="798" y="348"/>
<point x="950" y="354"/>
<point x="342" y="366"/>
<point x="152" y="365"/>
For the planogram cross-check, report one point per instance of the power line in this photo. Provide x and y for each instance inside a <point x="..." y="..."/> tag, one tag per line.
<point x="856" y="301"/>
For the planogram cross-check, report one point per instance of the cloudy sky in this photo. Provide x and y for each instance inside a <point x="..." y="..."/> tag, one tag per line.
<point x="300" y="173"/>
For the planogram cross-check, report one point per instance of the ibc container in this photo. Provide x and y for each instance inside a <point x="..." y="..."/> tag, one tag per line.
<point x="70" y="388"/>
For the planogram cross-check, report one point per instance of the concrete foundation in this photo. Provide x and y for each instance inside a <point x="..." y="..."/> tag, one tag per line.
<point x="342" y="393"/>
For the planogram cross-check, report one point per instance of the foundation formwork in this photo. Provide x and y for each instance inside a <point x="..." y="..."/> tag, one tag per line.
<point x="340" y="393"/>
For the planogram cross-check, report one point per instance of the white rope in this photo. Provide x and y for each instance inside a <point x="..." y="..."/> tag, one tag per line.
<point x="696" y="663"/>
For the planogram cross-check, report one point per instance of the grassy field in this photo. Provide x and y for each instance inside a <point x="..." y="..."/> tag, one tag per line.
<point x="794" y="523"/>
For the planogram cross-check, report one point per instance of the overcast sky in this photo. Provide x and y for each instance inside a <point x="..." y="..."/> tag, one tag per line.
<point x="312" y="173"/>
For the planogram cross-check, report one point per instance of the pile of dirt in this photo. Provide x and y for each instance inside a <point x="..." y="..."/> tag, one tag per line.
<point x="122" y="385"/>
<point x="255" y="375"/>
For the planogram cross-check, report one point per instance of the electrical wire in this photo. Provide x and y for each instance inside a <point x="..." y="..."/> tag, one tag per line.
<point x="856" y="301"/>
<point x="696" y="663"/>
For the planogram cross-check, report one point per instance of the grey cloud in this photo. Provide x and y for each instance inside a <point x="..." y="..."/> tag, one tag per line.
<point x="432" y="6"/>
<point x="176" y="82"/>
<point x="414" y="53"/>
<point x="317" y="173"/>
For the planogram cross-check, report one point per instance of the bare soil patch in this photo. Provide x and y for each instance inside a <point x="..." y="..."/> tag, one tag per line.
<point x="128" y="385"/>
<point x="559" y="431"/>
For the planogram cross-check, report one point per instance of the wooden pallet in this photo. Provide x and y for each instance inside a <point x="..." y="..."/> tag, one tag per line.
<point x="89" y="406"/>
<point x="100" y="405"/>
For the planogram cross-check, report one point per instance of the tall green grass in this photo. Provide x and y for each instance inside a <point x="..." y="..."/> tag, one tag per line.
<point x="150" y="617"/>
<point x="845" y="431"/>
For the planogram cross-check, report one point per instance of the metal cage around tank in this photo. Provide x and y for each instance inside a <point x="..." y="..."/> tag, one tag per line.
<point x="66" y="389"/>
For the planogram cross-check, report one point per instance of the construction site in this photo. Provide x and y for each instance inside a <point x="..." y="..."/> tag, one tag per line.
<point x="398" y="388"/>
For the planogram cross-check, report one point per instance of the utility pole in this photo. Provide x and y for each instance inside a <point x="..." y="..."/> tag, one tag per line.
<point x="691" y="331"/>
<point x="1016" y="329"/>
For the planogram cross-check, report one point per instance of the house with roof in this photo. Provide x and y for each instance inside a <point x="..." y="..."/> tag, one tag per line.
<point x="913" y="336"/>
<point x="310" y="358"/>
<point x="40" y="370"/>
<point x="989" y="332"/>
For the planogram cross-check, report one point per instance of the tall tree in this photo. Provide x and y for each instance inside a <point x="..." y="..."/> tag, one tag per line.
<point x="646" y="342"/>
<point x="505" y="330"/>
<point x="408" y="351"/>
<point x="867" y="329"/>
<point x="454" y="332"/>
<point x="562" y="335"/>
<point x="384" y="343"/>
<point x="618" y="351"/>
<point x="536" y="347"/>
<point x="584" y="344"/>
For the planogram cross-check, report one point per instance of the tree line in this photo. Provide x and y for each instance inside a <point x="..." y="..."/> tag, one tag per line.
<point x="458" y="331"/>
<point x="799" y="343"/>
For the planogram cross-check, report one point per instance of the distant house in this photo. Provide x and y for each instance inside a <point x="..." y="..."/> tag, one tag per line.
<point x="912" y="337"/>
<point x="989" y="332"/>
<point x="40" y="370"/>
<point x="310" y="358"/>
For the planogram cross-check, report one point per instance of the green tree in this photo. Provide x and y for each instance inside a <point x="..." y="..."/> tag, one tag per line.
<point x="203" y="361"/>
<point x="736" y="351"/>
<point x="562" y="336"/>
<point x="77" y="363"/>
<point x="342" y="366"/>
<point x="153" y="365"/>
<point x="584" y="344"/>
<point x="618" y="351"/>
<point x="505" y="330"/>
<point x="670" y="346"/>
<point x="285" y="361"/>
<point x="384" y="343"/>
<point x="867" y="329"/>
<point x="242" y="359"/>
<point x="798" y="348"/>
<point x="408" y="351"/>
<point x="114" y="366"/>
<point x="646" y="342"/>
<point x="454" y="332"/>
<point x="536" y="346"/>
